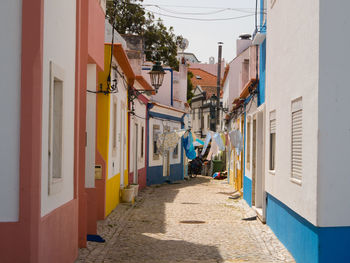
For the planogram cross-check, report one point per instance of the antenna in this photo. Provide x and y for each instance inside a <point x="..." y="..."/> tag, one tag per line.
<point x="184" y="44"/>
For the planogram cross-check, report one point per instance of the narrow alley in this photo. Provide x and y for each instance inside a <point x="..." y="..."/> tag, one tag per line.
<point x="188" y="221"/>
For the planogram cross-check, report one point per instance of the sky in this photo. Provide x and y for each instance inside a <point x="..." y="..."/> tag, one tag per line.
<point x="203" y="36"/>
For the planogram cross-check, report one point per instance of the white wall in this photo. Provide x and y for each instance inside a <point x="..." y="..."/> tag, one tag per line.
<point x="162" y="123"/>
<point x="292" y="71"/>
<point x="117" y="164"/>
<point x="251" y="110"/>
<point x="233" y="89"/>
<point x="164" y="93"/>
<point x="10" y="83"/>
<point x="334" y="120"/>
<point x="140" y="119"/>
<point x="90" y="127"/>
<point x="59" y="47"/>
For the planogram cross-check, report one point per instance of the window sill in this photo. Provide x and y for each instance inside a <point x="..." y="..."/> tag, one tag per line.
<point x="272" y="172"/>
<point x="296" y="181"/>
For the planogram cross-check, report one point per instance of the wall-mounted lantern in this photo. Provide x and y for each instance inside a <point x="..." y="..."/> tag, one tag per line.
<point x="157" y="75"/>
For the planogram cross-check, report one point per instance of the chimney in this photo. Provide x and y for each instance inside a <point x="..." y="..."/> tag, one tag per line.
<point x="243" y="43"/>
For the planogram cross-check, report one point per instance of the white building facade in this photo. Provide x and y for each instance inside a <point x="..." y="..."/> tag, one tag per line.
<point x="307" y="128"/>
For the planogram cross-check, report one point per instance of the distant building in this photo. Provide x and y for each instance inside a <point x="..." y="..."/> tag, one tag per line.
<point x="205" y="86"/>
<point x="189" y="57"/>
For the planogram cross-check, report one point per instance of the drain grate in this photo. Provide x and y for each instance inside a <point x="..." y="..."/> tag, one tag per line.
<point x="192" y="222"/>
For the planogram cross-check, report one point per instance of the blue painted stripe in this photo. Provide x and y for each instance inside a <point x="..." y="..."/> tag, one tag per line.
<point x="247" y="190"/>
<point x="306" y="242"/>
<point x="165" y="116"/>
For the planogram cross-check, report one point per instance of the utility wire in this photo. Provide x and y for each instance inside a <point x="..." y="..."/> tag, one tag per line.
<point x="186" y="13"/>
<point x="201" y="19"/>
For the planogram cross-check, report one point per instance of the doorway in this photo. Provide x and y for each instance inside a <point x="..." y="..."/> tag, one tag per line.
<point x="258" y="178"/>
<point x="254" y="161"/>
<point x="122" y="144"/>
<point x="136" y="153"/>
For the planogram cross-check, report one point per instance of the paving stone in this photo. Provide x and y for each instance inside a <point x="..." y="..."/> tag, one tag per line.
<point x="153" y="229"/>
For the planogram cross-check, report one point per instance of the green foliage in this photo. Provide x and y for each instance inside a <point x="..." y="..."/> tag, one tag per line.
<point x="189" y="87"/>
<point x="160" y="42"/>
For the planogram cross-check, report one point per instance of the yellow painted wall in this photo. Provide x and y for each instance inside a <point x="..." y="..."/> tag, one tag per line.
<point x="112" y="193"/>
<point x="112" y="186"/>
<point x="239" y="158"/>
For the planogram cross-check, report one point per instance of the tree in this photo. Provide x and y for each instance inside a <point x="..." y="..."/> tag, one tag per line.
<point x="160" y="42"/>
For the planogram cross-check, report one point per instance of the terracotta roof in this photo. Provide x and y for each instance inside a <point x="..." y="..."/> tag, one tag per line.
<point x="202" y="78"/>
<point x="145" y="84"/>
<point x="120" y="54"/>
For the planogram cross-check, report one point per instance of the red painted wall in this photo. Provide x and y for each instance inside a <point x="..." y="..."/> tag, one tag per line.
<point x="58" y="240"/>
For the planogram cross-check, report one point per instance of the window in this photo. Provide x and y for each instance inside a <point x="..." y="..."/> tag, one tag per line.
<point x="156" y="132"/>
<point x="114" y="125"/>
<point x="142" y="131"/>
<point x="272" y="140"/>
<point x="199" y="114"/>
<point x="176" y="152"/>
<point x="198" y="77"/>
<point x="55" y="129"/>
<point x="297" y="133"/>
<point x="208" y="122"/>
<point x="248" y="143"/>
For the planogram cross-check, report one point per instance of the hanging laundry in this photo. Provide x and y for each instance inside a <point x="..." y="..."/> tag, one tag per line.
<point x="207" y="141"/>
<point x="223" y="138"/>
<point x="198" y="142"/>
<point x="188" y="146"/>
<point x="219" y="142"/>
<point x="214" y="150"/>
<point x="236" y="140"/>
<point x="168" y="141"/>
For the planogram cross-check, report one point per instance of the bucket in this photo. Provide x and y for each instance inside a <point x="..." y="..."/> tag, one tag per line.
<point x="128" y="195"/>
<point x="136" y="189"/>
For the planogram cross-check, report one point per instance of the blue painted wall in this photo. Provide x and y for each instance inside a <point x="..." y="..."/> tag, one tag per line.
<point x="306" y="242"/>
<point x="155" y="173"/>
<point x="247" y="190"/>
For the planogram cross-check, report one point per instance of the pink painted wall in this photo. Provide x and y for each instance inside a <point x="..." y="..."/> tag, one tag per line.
<point x="96" y="33"/>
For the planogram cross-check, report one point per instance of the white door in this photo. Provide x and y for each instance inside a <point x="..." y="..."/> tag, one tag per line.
<point x="122" y="143"/>
<point x="136" y="142"/>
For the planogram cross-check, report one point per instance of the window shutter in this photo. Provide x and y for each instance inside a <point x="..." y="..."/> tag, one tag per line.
<point x="272" y="126"/>
<point x="297" y="132"/>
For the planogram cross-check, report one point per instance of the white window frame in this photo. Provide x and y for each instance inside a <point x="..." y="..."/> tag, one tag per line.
<point x="272" y="130"/>
<point x="55" y="183"/>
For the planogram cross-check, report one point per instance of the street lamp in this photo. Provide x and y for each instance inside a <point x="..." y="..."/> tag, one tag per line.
<point x="157" y="75"/>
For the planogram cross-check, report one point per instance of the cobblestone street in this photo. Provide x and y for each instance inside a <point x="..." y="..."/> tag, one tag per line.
<point x="190" y="221"/>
